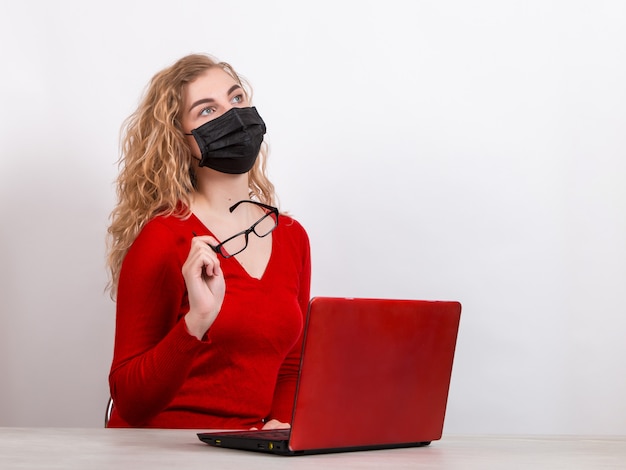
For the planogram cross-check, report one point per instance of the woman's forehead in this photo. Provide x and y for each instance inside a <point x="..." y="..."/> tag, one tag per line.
<point x="214" y="81"/>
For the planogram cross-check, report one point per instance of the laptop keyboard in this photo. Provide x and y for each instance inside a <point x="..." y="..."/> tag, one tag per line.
<point x="269" y="434"/>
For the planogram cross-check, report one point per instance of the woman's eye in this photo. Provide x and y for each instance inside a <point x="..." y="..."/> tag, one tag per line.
<point x="206" y="111"/>
<point x="237" y="99"/>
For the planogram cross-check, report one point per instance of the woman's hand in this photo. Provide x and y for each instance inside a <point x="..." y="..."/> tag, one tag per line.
<point x="274" y="424"/>
<point x="205" y="285"/>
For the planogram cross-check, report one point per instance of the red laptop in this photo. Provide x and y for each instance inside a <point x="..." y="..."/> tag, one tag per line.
<point x="375" y="374"/>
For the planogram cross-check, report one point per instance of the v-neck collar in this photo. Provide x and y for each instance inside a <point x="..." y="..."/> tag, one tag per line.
<point x="234" y="259"/>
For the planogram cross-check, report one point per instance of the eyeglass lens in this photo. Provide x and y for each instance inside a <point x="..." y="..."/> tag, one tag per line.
<point x="261" y="228"/>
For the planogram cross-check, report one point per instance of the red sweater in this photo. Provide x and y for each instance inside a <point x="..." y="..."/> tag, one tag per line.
<point x="245" y="369"/>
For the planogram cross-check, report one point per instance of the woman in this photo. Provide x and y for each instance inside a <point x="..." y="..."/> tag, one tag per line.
<point x="211" y="283"/>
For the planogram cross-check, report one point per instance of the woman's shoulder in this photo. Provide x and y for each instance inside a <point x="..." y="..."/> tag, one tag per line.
<point x="165" y="231"/>
<point x="168" y="222"/>
<point x="290" y="223"/>
<point x="293" y="229"/>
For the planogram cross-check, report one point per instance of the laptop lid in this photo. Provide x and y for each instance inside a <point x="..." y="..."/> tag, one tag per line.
<point x="375" y="373"/>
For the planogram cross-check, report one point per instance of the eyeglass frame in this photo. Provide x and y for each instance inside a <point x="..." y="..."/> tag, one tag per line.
<point x="271" y="210"/>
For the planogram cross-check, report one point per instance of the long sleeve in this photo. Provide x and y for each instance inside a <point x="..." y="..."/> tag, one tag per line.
<point x="153" y="351"/>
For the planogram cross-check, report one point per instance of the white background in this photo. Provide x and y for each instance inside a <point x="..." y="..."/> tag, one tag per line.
<point x="472" y="151"/>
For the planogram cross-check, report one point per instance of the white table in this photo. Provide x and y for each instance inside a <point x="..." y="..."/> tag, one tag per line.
<point x="138" y="449"/>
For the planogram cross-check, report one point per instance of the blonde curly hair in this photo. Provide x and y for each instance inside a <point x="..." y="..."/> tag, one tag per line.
<point x="156" y="171"/>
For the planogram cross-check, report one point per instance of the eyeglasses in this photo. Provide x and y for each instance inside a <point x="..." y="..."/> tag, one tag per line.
<point x="261" y="228"/>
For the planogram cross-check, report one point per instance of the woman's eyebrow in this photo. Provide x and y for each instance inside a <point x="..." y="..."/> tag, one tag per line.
<point x="212" y="100"/>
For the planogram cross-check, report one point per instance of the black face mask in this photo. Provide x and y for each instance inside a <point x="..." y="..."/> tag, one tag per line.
<point x="231" y="142"/>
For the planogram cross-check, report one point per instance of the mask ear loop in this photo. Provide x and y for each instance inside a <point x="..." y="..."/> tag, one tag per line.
<point x="193" y="176"/>
<point x="192" y="155"/>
